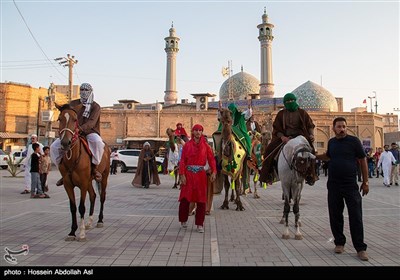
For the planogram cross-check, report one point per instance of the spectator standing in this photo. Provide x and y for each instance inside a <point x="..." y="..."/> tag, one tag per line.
<point x="114" y="161"/>
<point x="394" y="175"/>
<point x="34" y="170"/>
<point x="377" y="155"/>
<point x="146" y="171"/>
<point x="370" y="161"/>
<point x="385" y="161"/>
<point x="27" y="162"/>
<point x="44" y="168"/>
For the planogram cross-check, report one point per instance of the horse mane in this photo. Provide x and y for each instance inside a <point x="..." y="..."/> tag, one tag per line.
<point x="66" y="106"/>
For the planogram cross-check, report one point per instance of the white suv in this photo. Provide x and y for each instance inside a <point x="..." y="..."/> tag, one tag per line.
<point x="128" y="159"/>
<point x="3" y="160"/>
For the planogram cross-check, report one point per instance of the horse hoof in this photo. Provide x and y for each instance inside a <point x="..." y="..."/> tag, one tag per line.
<point x="82" y="239"/>
<point x="282" y="221"/>
<point x="298" y="237"/>
<point x="87" y="227"/>
<point x="70" y="238"/>
<point x="285" y="236"/>
<point x="99" y="225"/>
<point x="256" y="196"/>
<point x="299" y="223"/>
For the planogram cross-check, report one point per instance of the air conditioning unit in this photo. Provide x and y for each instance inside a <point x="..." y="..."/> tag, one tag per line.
<point x="202" y="103"/>
<point x="129" y="106"/>
<point x="47" y="116"/>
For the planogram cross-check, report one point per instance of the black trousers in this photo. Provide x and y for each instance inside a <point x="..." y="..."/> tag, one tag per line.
<point x="114" y="164"/>
<point x="337" y="197"/>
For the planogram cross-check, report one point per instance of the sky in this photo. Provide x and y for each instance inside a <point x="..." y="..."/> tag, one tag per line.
<point x="350" y="47"/>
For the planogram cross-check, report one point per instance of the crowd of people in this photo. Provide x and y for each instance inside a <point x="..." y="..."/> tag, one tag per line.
<point x="191" y="159"/>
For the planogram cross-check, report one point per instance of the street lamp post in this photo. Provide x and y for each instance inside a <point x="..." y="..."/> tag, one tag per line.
<point x="376" y="102"/>
<point x="370" y="101"/>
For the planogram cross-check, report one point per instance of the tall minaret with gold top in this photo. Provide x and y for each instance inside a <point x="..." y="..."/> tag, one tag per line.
<point x="265" y="37"/>
<point x="171" y="48"/>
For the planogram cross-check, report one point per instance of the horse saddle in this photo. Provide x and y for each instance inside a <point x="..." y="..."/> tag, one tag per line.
<point x="85" y="144"/>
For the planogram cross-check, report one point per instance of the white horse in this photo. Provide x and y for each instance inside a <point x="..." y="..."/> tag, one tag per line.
<point x="294" y="163"/>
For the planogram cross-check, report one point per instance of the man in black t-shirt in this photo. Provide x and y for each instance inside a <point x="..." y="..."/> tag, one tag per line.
<point x="344" y="151"/>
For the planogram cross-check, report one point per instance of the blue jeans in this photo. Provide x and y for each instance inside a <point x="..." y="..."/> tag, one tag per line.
<point x="35" y="183"/>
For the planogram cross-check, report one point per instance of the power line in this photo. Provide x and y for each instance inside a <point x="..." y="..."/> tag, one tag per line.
<point x="25" y="60"/>
<point x="25" y="67"/>
<point x="37" y="43"/>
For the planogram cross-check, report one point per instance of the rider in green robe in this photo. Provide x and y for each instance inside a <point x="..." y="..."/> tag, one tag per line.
<point x="239" y="126"/>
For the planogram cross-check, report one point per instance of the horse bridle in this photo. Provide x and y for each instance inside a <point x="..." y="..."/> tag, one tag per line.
<point x="293" y="163"/>
<point x="75" y="136"/>
<point x="74" y="133"/>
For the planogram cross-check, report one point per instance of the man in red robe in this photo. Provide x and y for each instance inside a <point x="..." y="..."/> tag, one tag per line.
<point x="181" y="132"/>
<point x="195" y="155"/>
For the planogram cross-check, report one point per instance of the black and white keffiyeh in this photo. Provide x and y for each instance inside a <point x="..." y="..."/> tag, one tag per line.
<point x="86" y="92"/>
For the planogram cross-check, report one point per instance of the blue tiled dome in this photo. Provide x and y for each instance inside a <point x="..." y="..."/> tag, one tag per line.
<point x="313" y="97"/>
<point x="241" y="85"/>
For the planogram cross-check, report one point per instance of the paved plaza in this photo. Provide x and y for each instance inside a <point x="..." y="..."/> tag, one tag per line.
<point x="141" y="228"/>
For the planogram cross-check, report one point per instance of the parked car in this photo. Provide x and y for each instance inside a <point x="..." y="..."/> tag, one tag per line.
<point x="18" y="156"/>
<point x="3" y="159"/>
<point x="128" y="159"/>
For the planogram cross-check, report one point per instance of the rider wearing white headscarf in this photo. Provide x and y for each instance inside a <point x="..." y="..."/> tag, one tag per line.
<point x="89" y="122"/>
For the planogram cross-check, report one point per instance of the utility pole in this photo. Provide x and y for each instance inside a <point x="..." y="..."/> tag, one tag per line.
<point x="50" y="104"/>
<point x="69" y="61"/>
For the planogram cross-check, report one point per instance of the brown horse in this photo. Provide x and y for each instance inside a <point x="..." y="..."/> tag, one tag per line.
<point x="75" y="169"/>
<point x="231" y="155"/>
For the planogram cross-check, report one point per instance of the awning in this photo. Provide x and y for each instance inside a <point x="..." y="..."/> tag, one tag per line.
<point x="145" y="139"/>
<point x="10" y="135"/>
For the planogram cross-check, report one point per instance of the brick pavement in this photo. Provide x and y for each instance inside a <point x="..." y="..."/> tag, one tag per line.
<point x="141" y="229"/>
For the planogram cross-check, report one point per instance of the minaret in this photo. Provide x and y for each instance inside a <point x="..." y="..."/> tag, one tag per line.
<point x="265" y="37"/>
<point x="171" y="48"/>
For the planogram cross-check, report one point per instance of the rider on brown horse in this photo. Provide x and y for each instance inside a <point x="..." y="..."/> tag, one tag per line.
<point x="89" y="124"/>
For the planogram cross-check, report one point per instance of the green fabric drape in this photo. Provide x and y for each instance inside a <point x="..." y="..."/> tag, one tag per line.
<point x="239" y="128"/>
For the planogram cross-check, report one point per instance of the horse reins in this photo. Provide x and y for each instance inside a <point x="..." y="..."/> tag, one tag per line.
<point x="291" y="165"/>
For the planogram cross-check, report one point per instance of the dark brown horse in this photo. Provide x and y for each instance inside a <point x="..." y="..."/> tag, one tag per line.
<point x="231" y="156"/>
<point x="75" y="169"/>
